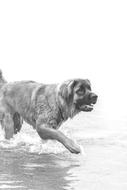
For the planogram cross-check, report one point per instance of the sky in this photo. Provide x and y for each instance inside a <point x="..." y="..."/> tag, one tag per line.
<point x="52" y="41"/>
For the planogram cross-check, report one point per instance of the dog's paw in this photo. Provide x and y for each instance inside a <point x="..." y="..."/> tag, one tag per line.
<point x="73" y="147"/>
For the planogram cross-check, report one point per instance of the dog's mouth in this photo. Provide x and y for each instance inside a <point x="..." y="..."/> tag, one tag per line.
<point x="87" y="104"/>
<point x="86" y="107"/>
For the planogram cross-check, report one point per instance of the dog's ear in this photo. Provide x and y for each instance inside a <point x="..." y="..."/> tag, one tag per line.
<point x="66" y="89"/>
<point x="71" y="86"/>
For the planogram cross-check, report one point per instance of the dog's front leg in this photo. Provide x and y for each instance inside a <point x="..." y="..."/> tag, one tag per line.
<point x="48" y="133"/>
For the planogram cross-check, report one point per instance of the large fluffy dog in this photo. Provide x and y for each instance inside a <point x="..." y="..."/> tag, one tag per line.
<point x="44" y="107"/>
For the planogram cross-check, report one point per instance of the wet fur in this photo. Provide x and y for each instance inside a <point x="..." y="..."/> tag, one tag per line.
<point x="45" y="107"/>
<point x="17" y="120"/>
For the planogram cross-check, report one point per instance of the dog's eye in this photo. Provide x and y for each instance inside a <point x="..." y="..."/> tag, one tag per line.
<point x="80" y="91"/>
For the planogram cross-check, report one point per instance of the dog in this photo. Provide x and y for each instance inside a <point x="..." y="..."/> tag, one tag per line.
<point x="45" y="107"/>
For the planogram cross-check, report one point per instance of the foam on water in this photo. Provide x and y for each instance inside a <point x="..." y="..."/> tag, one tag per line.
<point x="28" y="140"/>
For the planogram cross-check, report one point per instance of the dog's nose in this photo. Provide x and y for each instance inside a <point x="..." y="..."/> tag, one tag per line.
<point x="93" y="97"/>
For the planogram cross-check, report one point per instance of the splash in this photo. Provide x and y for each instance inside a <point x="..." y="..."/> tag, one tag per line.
<point x="94" y="131"/>
<point x="28" y="140"/>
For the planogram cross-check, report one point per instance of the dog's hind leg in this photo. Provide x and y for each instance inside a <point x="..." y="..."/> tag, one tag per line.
<point x="8" y="125"/>
<point x="18" y="121"/>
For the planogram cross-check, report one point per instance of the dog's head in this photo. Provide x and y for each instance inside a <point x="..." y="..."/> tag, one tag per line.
<point x="77" y="93"/>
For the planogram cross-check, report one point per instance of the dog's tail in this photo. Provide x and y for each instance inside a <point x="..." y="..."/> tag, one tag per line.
<point x="2" y="80"/>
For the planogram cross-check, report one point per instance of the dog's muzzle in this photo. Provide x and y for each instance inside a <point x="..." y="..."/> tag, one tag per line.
<point x="88" y="105"/>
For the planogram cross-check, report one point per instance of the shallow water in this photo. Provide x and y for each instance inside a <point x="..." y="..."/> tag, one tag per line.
<point x="28" y="163"/>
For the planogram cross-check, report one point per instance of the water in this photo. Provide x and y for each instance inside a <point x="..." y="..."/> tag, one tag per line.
<point x="27" y="162"/>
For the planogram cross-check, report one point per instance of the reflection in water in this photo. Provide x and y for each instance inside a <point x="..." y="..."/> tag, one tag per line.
<point x="30" y="171"/>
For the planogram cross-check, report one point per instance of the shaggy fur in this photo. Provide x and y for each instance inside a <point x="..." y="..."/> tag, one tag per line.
<point x="17" y="120"/>
<point x="44" y="107"/>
